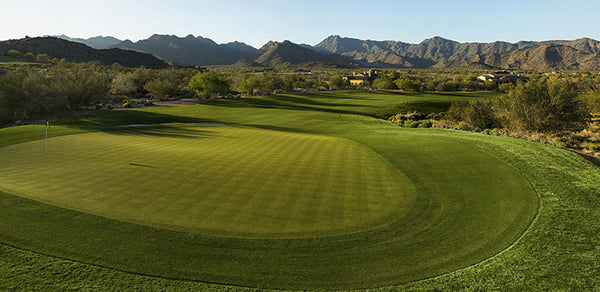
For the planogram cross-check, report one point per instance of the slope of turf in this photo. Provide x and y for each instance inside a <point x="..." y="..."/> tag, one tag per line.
<point x="470" y="199"/>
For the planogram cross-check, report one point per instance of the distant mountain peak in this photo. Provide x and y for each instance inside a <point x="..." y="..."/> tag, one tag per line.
<point x="190" y="50"/>
<point x="97" y="42"/>
<point x="438" y="40"/>
<point x="286" y="53"/>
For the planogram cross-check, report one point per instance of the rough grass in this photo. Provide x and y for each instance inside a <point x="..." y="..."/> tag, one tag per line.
<point x="450" y="171"/>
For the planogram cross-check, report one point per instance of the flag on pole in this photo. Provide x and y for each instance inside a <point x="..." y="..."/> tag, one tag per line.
<point x="47" y="127"/>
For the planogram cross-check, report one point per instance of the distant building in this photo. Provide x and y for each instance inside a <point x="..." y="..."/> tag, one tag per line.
<point x="502" y="77"/>
<point x="358" y="80"/>
<point x="362" y="78"/>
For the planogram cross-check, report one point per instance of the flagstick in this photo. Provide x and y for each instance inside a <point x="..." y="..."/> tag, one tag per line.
<point x="47" y="126"/>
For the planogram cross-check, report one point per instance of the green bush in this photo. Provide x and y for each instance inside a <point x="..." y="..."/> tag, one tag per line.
<point x="475" y="114"/>
<point x="383" y="83"/>
<point x="162" y="88"/>
<point x="412" y="124"/>
<point x="426" y="124"/>
<point x="544" y="106"/>
<point x="29" y="56"/>
<point x="26" y="92"/>
<point x="433" y="116"/>
<point x="42" y="58"/>
<point x="407" y="84"/>
<point x="208" y="84"/>
<point x="14" y="54"/>
<point x="81" y="84"/>
<point x="338" y="82"/>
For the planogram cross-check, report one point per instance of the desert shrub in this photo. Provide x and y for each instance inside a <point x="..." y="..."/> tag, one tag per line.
<point x="42" y="58"/>
<point x="81" y="84"/>
<point x="415" y="116"/>
<point x="132" y="83"/>
<point x="208" y="84"/>
<point x="338" y="82"/>
<point x="14" y="54"/>
<point x="412" y="124"/>
<point x="250" y="84"/>
<point x="593" y="146"/>
<point x="475" y="114"/>
<point x="426" y="124"/>
<point x="271" y="83"/>
<point x="162" y="88"/>
<point x="407" y="84"/>
<point x="24" y="92"/>
<point x="383" y="83"/>
<point x="592" y="99"/>
<point x="433" y="116"/>
<point x="543" y="106"/>
<point x="29" y="56"/>
<point x="123" y="83"/>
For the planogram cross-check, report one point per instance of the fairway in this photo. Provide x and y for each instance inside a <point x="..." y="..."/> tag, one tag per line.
<point x="291" y="192"/>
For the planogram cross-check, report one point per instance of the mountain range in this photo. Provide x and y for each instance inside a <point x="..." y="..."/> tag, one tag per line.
<point x="78" y="52"/>
<point x="97" y="42"/>
<point x="441" y="53"/>
<point x="342" y="52"/>
<point x="190" y="50"/>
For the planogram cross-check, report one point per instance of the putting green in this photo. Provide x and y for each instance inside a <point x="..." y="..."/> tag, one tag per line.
<point x="213" y="179"/>
<point x="297" y="192"/>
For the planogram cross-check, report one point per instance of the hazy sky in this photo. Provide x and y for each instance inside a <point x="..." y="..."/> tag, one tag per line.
<point x="304" y="21"/>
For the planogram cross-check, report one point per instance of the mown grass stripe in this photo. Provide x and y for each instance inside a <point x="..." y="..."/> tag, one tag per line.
<point x="435" y="232"/>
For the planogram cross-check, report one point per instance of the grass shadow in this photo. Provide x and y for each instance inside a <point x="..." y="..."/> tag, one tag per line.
<point x="587" y="157"/>
<point x="136" y="122"/>
<point x="287" y="102"/>
<point x="113" y="118"/>
<point x="171" y="131"/>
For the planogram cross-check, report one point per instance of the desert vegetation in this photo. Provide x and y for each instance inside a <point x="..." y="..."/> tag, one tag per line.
<point x="550" y="110"/>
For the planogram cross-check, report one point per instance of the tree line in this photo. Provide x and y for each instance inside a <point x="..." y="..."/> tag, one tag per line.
<point x="560" y="110"/>
<point x="30" y="90"/>
<point x="46" y="88"/>
<point x="547" y="105"/>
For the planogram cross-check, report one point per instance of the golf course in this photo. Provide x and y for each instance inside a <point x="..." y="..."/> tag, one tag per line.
<point x="292" y="192"/>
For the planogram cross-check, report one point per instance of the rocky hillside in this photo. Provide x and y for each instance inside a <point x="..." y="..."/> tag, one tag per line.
<point x="438" y="52"/>
<point x="78" y="52"/>
<point x="190" y="50"/>
<point x="542" y="58"/>
<point x="286" y="53"/>
<point x="334" y="51"/>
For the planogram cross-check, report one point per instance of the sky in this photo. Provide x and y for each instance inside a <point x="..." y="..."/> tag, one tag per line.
<point x="304" y="21"/>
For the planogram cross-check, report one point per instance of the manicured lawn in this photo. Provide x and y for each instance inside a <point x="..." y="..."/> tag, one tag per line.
<point x="219" y="180"/>
<point x="295" y="191"/>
